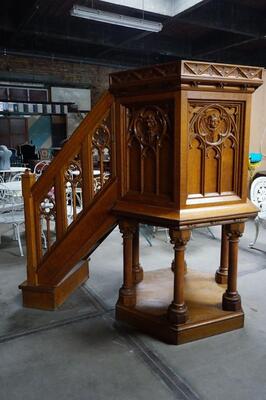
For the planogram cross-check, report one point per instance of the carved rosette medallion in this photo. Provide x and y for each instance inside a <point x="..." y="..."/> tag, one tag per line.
<point x="149" y="125"/>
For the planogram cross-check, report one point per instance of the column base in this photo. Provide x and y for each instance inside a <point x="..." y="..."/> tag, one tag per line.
<point x="231" y="302"/>
<point x="137" y="274"/>
<point x="177" y="313"/>
<point x="221" y="277"/>
<point x="127" y="297"/>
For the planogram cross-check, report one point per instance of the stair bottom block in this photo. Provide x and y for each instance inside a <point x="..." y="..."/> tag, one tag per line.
<point x="51" y="297"/>
<point x="203" y="298"/>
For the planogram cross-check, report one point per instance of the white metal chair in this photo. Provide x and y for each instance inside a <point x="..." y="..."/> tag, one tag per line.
<point x="11" y="212"/>
<point x="40" y="167"/>
<point x="258" y="197"/>
<point x="17" y="177"/>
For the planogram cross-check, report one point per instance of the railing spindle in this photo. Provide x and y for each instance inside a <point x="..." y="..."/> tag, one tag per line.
<point x="87" y="168"/>
<point x="60" y="204"/>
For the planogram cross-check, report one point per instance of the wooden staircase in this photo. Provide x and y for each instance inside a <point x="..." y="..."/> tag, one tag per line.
<point x="68" y="209"/>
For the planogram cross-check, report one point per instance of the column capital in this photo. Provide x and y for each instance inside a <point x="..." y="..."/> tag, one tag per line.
<point x="179" y="238"/>
<point x="234" y="231"/>
<point x="127" y="227"/>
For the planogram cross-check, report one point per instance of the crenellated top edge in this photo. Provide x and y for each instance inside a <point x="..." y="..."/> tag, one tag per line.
<point x="188" y="73"/>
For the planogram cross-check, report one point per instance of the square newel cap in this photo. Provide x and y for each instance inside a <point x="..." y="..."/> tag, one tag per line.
<point x="189" y="75"/>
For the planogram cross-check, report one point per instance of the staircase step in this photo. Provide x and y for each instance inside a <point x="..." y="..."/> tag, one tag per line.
<point x="51" y="297"/>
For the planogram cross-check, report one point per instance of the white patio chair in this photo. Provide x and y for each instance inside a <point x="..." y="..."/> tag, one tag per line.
<point x="11" y="212"/>
<point x="258" y="197"/>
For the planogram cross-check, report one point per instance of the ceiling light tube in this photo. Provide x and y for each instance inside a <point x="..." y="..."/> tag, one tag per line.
<point x="115" y="19"/>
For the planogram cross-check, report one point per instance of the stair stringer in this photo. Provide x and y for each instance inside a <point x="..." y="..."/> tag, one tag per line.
<point x="90" y="227"/>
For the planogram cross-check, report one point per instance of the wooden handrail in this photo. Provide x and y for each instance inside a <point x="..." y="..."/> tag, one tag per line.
<point x="71" y="146"/>
<point x="69" y="174"/>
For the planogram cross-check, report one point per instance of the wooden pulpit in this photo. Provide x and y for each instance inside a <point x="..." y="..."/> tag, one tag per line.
<point x="182" y="163"/>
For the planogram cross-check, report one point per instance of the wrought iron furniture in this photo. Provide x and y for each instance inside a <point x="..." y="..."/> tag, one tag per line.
<point x="40" y="167"/>
<point x="258" y="197"/>
<point x="11" y="208"/>
<point x="29" y="154"/>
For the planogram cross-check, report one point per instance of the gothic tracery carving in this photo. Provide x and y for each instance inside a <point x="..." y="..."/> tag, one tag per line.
<point x="149" y="125"/>
<point x="214" y="143"/>
<point x="102" y="136"/>
<point x="73" y="173"/>
<point x="213" y="123"/>
<point x="102" y="152"/>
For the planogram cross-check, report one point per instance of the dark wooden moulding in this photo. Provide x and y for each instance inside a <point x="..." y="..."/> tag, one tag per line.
<point x="182" y="159"/>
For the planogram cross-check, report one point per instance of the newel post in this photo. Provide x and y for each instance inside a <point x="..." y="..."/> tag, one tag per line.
<point x="28" y="180"/>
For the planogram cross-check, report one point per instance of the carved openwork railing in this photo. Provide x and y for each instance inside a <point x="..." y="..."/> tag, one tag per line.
<point x="57" y="199"/>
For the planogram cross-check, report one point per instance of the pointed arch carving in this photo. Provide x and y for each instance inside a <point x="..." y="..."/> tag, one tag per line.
<point x="217" y="127"/>
<point x="150" y="147"/>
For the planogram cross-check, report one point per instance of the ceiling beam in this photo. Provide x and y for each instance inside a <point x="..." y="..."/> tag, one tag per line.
<point x="30" y="13"/>
<point x="230" y="17"/>
<point x="240" y="55"/>
<point x="149" y="45"/>
<point x="73" y="31"/>
<point x="223" y="46"/>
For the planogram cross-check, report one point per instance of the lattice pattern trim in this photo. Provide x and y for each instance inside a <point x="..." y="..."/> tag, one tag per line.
<point x="221" y="71"/>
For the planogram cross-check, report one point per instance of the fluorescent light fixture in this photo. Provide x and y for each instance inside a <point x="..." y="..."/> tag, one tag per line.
<point x="115" y="19"/>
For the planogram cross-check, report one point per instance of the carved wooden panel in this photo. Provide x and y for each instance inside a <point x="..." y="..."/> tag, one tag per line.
<point x="215" y="144"/>
<point x="150" y="149"/>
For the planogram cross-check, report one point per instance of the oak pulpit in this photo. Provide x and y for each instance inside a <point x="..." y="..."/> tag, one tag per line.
<point x="182" y="162"/>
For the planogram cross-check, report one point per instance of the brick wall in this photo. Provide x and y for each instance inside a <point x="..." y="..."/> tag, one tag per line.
<point x="54" y="72"/>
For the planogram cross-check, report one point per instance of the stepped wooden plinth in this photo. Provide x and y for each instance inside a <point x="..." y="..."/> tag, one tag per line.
<point x="204" y="303"/>
<point x="47" y="297"/>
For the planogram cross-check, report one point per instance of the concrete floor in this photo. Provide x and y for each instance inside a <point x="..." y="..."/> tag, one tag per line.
<point x="80" y="352"/>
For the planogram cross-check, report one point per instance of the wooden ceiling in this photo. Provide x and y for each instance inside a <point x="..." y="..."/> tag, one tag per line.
<point x="231" y="31"/>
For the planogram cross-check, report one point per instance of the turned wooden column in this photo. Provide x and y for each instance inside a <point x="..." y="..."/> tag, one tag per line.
<point x="231" y="298"/>
<point x="127" y="293"/>
<point x="137" y="269"/>
<point x="222" y="272"/>
<point x="173" y="266"/>
<point x="177" y="311"/>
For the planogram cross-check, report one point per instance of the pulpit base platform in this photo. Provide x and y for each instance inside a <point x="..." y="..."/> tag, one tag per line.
<point x="203" y="298"/>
